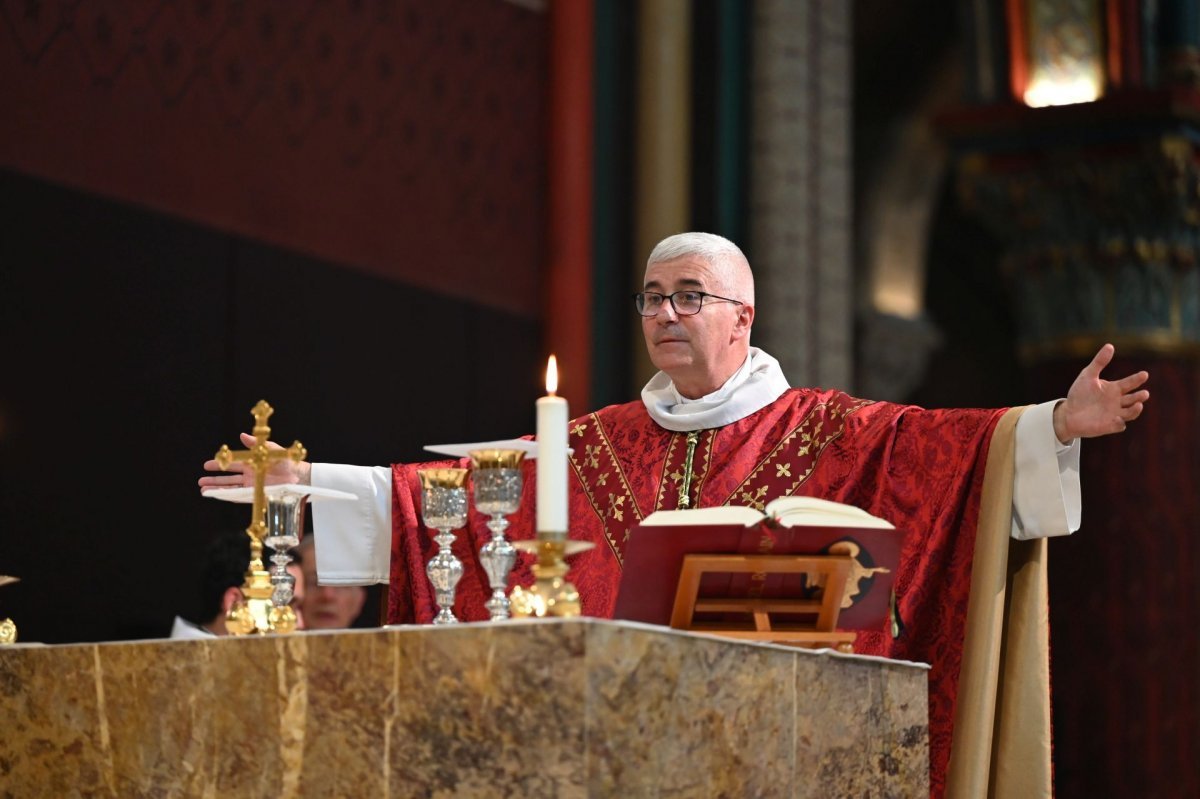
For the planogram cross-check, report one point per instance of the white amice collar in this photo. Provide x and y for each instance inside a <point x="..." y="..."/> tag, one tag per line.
<point x="755" y="385"/>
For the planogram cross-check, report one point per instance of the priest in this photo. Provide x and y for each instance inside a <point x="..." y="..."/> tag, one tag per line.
<point x="719" y="424"/>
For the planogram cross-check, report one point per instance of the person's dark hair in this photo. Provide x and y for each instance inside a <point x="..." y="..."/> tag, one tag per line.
<point x="225" y="563"/>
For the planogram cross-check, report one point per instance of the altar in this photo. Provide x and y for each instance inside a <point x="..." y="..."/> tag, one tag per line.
<point x="555" y="707"/>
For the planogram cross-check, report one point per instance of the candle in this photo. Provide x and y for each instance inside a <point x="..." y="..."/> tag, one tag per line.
<point x="552" y="459"/>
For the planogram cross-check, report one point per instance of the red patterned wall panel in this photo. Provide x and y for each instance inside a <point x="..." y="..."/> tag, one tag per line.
<point x="404" y="138"/>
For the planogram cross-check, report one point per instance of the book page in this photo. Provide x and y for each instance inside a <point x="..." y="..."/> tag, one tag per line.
<point x="813" y="512"/>
<point x="721" y="514"/>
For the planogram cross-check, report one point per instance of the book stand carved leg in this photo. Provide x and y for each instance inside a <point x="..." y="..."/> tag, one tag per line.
<point x="754" y="617"/>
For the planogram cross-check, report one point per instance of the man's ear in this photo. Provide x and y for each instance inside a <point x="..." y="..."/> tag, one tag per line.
<point x="231" y="597"/>
<point x="745" y="320"/>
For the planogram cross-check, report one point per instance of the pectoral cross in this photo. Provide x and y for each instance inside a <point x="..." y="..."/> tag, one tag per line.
<point x="259" y="458"/>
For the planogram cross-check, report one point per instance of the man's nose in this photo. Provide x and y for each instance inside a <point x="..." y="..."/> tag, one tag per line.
<point x="666" y="313"/>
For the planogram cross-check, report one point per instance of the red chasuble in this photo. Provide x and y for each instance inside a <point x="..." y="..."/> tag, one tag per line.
<point x="921" y="470"/>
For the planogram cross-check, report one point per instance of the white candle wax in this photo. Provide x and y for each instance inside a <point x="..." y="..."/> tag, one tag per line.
<point x="552" y="459"/>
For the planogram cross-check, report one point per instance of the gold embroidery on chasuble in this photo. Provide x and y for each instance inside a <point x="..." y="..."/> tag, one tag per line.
<point x="792" y="460"/>
<point x="675" y="470"/>
<point x="604" y="483"/>
<point x="708" y="440"/>
<point x="670" y="477"/>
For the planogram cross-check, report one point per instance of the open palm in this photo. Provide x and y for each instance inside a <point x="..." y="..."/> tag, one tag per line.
<point x="1098" y="407"/>
<point x="281" y="471"/>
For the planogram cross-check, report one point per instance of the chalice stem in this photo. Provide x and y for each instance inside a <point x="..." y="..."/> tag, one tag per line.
<point x="444" y="571"/>
<point x="497" y="557"/>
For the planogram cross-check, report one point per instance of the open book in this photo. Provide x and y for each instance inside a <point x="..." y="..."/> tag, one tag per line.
<point x="787" y="526"/>
<point x="785" y="511"/>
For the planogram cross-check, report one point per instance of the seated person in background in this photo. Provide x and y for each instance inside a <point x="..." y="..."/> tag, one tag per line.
<point x="325" y="607"/>
<point x="221" y="579"/>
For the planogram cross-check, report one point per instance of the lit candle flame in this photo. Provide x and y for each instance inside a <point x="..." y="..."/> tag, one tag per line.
<point x="551" y="376"/>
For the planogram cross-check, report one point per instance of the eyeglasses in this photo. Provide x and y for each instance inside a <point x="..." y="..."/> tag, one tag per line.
<point x="685" y="303"/>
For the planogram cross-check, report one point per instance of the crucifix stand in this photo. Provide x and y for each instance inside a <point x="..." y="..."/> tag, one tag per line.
<point x="256" y="613"/>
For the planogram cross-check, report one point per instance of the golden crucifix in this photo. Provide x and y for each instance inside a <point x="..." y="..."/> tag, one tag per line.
<point x="257" y="615"/>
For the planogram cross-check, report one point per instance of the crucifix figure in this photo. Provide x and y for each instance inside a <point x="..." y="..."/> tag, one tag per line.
<point x="255" y="615"/>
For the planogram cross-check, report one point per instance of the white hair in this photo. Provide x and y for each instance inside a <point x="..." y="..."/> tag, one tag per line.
<point x="709" y="246"/>
<point x="718" y="251"/>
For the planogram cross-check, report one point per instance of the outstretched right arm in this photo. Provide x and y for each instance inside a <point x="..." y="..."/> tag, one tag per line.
<point x="354" y="538"/>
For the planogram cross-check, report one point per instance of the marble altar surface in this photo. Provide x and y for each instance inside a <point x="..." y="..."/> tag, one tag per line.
<point x="553" y="708"/>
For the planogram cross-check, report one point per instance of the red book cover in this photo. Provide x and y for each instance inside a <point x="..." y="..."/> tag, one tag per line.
<point x="654" y="558"/>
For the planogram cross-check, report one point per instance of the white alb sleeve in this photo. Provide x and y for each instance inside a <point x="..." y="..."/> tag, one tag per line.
<point x="353" y="538"/>
<point x="1046" y="498"/>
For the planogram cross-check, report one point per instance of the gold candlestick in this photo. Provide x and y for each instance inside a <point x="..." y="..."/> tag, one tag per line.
<point x="8" y="630"/>
<point x="255" y="613"/>
<point x="551" y="593"/>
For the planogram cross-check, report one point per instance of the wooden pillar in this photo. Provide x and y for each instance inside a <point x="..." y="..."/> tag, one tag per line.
<point x="662" y="197"/>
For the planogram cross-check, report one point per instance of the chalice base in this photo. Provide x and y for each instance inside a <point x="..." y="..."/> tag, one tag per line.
<point x="499" y="606"/>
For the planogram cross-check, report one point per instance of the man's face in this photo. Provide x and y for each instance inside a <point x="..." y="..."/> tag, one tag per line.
<point x="328" y="606"/>
<point x="695" y="351"/>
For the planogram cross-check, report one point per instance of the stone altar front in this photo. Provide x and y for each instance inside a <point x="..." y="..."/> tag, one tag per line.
<point x="553" y="708"/>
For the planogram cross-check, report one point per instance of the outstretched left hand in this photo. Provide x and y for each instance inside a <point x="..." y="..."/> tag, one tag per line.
<point x="1097" y="407"/>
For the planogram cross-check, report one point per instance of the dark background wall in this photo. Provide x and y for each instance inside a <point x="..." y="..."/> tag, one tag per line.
<point x="135" y="344"/>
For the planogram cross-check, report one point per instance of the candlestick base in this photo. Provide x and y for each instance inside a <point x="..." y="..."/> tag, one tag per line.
<point x="550" y="594"/>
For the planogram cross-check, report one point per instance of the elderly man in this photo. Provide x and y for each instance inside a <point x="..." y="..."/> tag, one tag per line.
<point x="724" y="408"/>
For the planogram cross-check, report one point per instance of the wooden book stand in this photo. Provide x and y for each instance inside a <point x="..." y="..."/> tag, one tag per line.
<point x="828" y="571"/>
